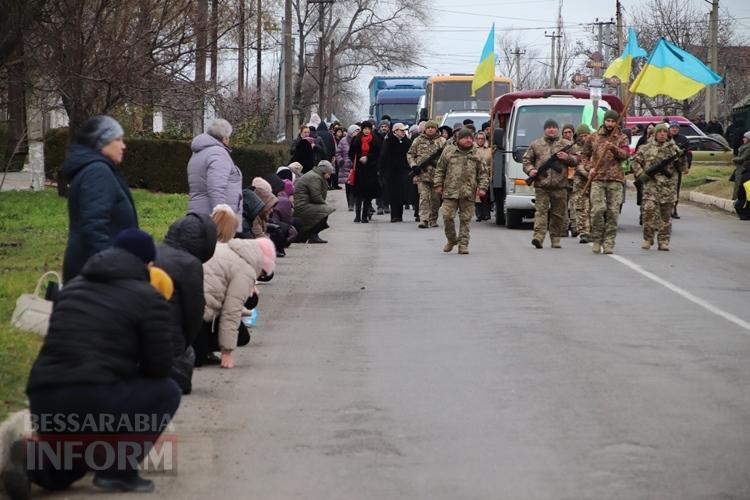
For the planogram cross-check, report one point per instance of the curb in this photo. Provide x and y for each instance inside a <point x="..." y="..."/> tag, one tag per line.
<point x="711" y="201"/>
<point x="11" y="429"/>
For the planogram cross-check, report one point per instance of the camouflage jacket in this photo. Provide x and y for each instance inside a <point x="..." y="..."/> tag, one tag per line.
<point x="582" y="169"/>
<point x="660" y="188"/>
<point x="460" y="172"/>
<point x="422" y="147"/>
<point x="538" y="152"/>
<point x="606" y="154"/>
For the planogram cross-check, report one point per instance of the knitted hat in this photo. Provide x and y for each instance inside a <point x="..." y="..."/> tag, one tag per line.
<point x="277" y="185"/>
<point x="385" y="122"/>
<point x="583" y="129"/>
<point x="464" y="132"/>
<point x="288" y="187"/>
<point x="352" y="129"/>
<point x="468" y="121"/>
<point x="611" y="114"/>
<point x="161" y="281"/>
<point x="746" y="135"/>
<point x="260" y="182"/>
<point x="99" y="131"/>
<point x="661" y="126"/>
<point x="457" y="126"/>
<point x="324" y="167"/>
<point x="674" y="124"/>
<point x="137" y="242"/>
<point x="269" y="254"/>
<point x="447" y="129"/>
<point x="296" y="167"/>
<point x="431" y="124"/>
<point x="550" y="123"/>
<point x="285" y="173"/>
<point x="569" y="126"/>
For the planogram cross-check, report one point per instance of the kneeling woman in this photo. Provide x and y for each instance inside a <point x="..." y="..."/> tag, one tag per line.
<point x="229" y="281"/>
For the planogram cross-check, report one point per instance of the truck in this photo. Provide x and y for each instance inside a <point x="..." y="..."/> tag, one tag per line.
<point x="519" y="119"/>
<point x="396" y="96"/>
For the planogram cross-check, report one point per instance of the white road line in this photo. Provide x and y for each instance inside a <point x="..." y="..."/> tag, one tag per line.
<point x="683" y="293"/>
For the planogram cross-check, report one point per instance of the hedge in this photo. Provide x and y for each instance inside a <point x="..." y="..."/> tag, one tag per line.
<point x="161" y="165"/>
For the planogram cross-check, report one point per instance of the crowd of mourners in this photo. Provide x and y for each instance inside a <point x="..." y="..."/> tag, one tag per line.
<point x="133" y="318"/>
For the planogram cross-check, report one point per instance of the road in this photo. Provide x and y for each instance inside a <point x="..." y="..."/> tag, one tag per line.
<point x="384" y="369"/>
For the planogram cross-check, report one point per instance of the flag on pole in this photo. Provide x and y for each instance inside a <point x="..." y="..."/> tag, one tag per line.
<point x="485" y="72"/>
<point x="621" y="66"/>
<point x="673" y="72"/>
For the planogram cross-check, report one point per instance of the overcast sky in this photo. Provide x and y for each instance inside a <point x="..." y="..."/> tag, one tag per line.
<point x="458" y="30"/>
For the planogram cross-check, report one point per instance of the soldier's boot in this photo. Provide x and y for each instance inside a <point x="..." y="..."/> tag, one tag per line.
<point x="597" y="247"/>
<point x="584" y="239"/>
<point x="449" y="246"/>
<point x="463" y="249"/>
<point x="422" y="225"/>
<point x="646" y="245"/>
<point x="555" y="242"/>
<point x="664" y="246"/>
<point x="433" y="223"/>
<point x="609" y="250"/>
<point x="537" y="241"/>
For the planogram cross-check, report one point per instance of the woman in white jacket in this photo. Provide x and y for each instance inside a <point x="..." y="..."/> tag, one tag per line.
<point x="229" y="280"/>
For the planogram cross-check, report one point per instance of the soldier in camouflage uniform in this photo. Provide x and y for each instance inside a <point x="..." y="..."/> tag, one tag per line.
<point x="422" y="147"/>
<point x="659" y="191"/>
<point x="549" y="187"/>
<point x="581" y="201"/>
<point x="461" y="176"/>
<point x="605" y="151"/>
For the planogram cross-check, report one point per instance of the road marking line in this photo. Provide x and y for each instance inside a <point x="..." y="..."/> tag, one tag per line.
<point x="683" y="293"/>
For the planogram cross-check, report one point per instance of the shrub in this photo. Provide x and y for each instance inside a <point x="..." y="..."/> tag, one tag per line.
<point x="161" y="165"/>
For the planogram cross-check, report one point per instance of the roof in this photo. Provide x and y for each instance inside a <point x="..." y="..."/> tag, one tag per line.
<point x="504" y="103"/>
<point x="464" y="78"/>
<point x="399" y="96"/>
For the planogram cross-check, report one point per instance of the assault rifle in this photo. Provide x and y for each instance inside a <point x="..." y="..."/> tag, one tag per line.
<point x="661" y="167"/>
<point x="430" y="160"/>
<point x="551" y="163"/>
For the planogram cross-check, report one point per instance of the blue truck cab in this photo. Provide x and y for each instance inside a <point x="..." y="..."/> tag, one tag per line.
<point x="396" y="97"/>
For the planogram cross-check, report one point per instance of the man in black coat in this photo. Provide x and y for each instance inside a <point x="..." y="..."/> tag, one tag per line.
<point x="106" y="361"/>
<point x="395" y="169"/>
<point x="190" y="242"/>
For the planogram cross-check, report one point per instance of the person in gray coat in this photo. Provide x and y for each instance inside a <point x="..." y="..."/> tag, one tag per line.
<point x="310" y="205"/>
<point x="213" y="178"/>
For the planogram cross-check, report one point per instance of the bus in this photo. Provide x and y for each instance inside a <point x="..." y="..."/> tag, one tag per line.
<point x="453" y="93"/>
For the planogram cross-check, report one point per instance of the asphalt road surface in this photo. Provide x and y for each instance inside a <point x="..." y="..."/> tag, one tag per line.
<point x="382" y="368"/>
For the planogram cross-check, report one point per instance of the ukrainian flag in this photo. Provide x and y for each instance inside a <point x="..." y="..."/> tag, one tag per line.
<point x="621" y="66"/>
<point x="673" y="72"/>
<point x="485" y="72"/>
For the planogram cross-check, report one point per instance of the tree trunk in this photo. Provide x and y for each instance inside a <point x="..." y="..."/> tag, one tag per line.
<point x="201" y="36"/>
<point x="241" y="51"/>
<point x="17" y="137"/>
<point x="214" y="44"/>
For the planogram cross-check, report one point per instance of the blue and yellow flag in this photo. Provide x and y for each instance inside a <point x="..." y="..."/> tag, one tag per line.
<point x="621" y="66"/>
<point x="485" y="72"/>
<point x="673" y="72"/>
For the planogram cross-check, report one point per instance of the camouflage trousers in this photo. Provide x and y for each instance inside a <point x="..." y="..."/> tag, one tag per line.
<point x="429" y="202"/>
<point x="551" y="207"/>
<point x="582" y="208"/>
<point x="657" y="218"/>
<point x="606" y="198"/>
<point x="465" y="209"/>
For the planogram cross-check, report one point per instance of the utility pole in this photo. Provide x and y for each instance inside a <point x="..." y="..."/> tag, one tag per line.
<point x="288" y="117"/>
<point x="600" y="37"/>
<point x="552" y="37"/>
<point x="620" y="47"/>
<point x="258" y="49"/>
<point x="241" y="51"/>
<point x="321" y="55"/>
<point x="518" y="53"/>
<point x="712" y="104"/>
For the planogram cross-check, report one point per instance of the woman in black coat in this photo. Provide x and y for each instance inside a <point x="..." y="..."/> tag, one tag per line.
<point x="99" y="202"/>
<point x="303" y="149"/>
<point x="365" y="153"/>
<point x="106" y="357"/>
<point x="395" y="169"/>
<point x="190" y="242"/>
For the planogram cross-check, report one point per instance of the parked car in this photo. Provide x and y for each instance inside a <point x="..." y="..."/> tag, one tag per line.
<point x="709" y="151"/>
<point x="686" y="126"/>
<point x="453" y="117"/>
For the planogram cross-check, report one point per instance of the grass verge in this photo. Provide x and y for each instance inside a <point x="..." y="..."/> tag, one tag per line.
<point x="33" y="235"/>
